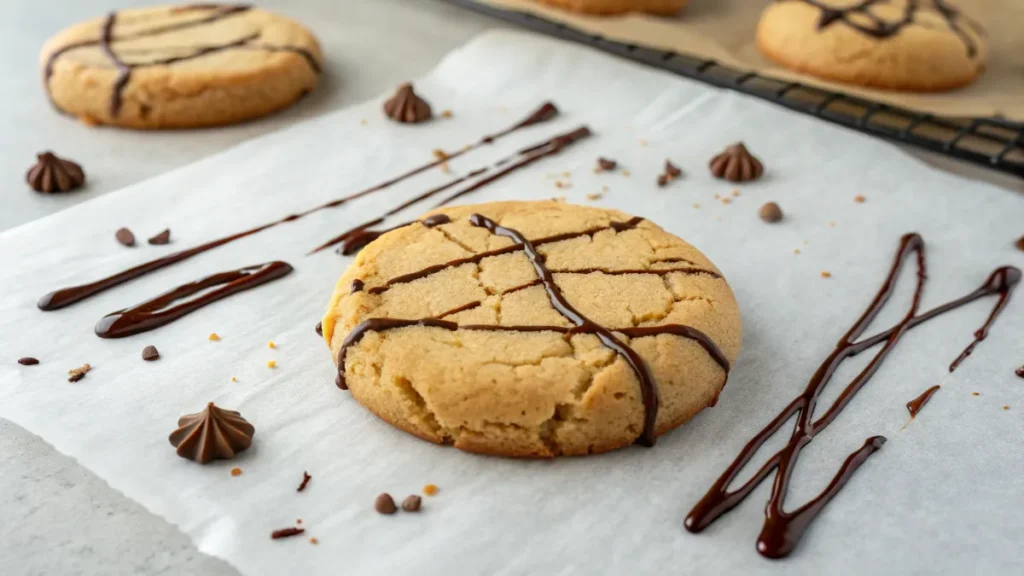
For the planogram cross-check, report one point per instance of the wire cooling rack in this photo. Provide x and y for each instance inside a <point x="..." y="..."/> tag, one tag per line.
<point x="991" y="142"/>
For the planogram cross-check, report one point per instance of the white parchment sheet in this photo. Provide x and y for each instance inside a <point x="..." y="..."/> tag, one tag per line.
<point x="944" y="495"/>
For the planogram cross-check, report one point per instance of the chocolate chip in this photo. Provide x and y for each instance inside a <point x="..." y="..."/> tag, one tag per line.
<point x="28" y="361"/>
<point x="663" y="179"/>
<point x="1020" y="243"/>
<point x="672" y="170"/>
<point x="150" y="353"/>
<point x="412" y="503"/>
<point x="286" y="533"/>
<point x="125" y="236"/>
<point x="770" y="212"/>
<point x="606" y="164"/>
<point x="161" y="238"/>
<point x="385" y="504"/>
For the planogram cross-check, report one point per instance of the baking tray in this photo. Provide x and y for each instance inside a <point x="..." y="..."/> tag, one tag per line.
<point x="994" y="143"/>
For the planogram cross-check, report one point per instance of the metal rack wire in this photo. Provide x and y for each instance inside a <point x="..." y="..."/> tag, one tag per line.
<point x="995" y="143"/>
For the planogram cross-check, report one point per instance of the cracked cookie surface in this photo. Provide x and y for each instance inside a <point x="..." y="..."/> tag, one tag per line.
<point x="484" y="377"/>
<point x="925" y="45"/>
<point x="180" y="66"/>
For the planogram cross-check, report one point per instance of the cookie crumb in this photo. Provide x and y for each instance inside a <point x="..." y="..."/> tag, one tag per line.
<point x="566" y="174"/>
<point x="412" y="503"/>
<point x="735" y="193"/>
<point x="859" y="199"/>
<point x="595" y="196"/>
<point x="832" y="224"/>
<point x="236" y="471"/>
<point x="28" y="361"/>
<point x="313" y="540"/>
<point x="561" y="185"/>
<point x="696" y="205"/>
<point x="1007" y="407"/>
<point x="727" y="200"/>
<point x="385" y="504"/>
<point x="446" y="113"/>
<point x="604" y="164"/>
<point x="271" y="344"/>
<point x="233" y="379"/>
<point x="770" y="212"/>
<point x="663" y="180"/>
<point x="826" y="274"/>
<point x="298" y="520"/>
<point x="718" y="196"/>
<point x="604" y="188"/>
<point x="430" y="489"/>
<point x="305" y="480"/>
<point x="286" y="532"/>
<point x="796" y="250"/>
<point x="271" y="363"/>
<point x="213" y="337"/>
<point x="625" y="172"/>
<point x="672" y="170"/>
<point x="975" y="394"/>
<point x="439" y="154"/>
<point x="76" y="374"/>
<point x="643" y="142"/>
<point x="362" y="121"/>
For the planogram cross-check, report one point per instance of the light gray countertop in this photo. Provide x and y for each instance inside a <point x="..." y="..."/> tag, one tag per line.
<point x="58" y="517"/>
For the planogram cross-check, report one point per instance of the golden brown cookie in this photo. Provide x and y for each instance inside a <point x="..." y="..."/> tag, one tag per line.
<point x="607" y="7"/>
<point x="180" y="67"/>
<point x="533" y="329"/>
<point x="924" y="45"/>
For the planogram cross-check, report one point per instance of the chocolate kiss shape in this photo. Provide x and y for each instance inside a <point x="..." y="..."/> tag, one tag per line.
<point x="54" y="174"/>
<point x="736" y="164"/>
<point x="212" y="434"/>
<point x="407" y="107"/>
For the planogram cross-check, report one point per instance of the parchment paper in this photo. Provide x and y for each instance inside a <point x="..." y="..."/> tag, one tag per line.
<point x="724" y="31"/>
<point x="944" y="495"/>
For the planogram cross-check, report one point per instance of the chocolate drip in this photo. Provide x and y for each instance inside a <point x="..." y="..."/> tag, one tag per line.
<point x="480" y="256"/>
<point x="782" y="530"/>
<point x="915" y="405"/>
<point x="882" y="29"/>
<point x="159" y="311"/>
<point x="357" y="238"/>
<point x="67" y="296"/>
<point x="581" y="324"/>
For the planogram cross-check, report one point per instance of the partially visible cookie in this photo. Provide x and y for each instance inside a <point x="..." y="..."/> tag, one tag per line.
<point x="608" y="7"/>
<point x="180" y="67"/>
<point x="900" y="44"/>
<point x="452" y="330"/>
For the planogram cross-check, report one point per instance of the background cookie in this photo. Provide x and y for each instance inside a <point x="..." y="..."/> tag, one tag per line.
<point x="664" y="7"/>
<point x="180" y="67"/>
<point x="531" y="393"/>
<point x="901" y="44"/>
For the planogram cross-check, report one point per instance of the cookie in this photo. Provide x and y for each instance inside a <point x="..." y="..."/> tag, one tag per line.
<point x="533" y="329"/>
<point x="899" y="45"/>
<point x="608" y="7"/>
<point x="180" y="67"/>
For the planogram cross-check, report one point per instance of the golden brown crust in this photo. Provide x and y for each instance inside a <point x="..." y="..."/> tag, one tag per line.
<point x="533" y="394"/>
<point x="232" y="68"/>
<point x="611" y="7"/>
<point x="924" y="56"/>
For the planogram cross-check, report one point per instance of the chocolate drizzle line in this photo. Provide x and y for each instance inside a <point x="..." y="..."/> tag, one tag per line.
<point x="915" y="405"/>
<point x="67" y="296"/>
<point x="107" y="39"/>
<point x="782" y="530"/>
<point x="581" y="324"/>
<point x="358" y="237"/>
<point x="159" y="311"/>
<point x="882" y="28"/>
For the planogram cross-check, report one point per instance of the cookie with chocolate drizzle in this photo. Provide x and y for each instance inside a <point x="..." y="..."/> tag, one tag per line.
<point x="180" y="66"/>
<point x="532" y="329"/>
<point x="918" y="45"/>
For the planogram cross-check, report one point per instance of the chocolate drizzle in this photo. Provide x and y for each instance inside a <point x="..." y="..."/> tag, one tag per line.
<point x="159" y="311"/>
<point x="881" y="28"/>
<point x="359" y="236"/>
<point x="581" y="324"/>
<point x="107" y="39"/>
<point x="915" y="405"/>
<point x="67" y="296"/>
<point x="782" y="530"/>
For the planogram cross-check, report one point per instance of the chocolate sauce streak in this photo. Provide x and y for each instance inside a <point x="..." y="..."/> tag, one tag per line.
<point x="881" y="28"/>
<point x="782" y="530"/>
<point x="160" y="311"/>
<point x="358" y="237"/>
<point x="107" y="39"/>
<point x="581" y="324"/>
<point x="915" y="405"/>
<point x="67" y="296"/>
